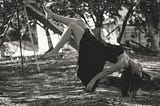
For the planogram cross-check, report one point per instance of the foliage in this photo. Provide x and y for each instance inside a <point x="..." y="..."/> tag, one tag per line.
<point x="145" y="14"/>
<point x="146" y="17"/>
<point x="12" y="10"/>
<point x="96" y="8"/>
<point x="150" y="9"/>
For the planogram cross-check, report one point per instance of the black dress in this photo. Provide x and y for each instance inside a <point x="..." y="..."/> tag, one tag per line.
<point x="92" y="57"/>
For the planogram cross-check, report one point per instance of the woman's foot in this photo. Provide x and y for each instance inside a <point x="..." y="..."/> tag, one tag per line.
<point x="48" y="54"/>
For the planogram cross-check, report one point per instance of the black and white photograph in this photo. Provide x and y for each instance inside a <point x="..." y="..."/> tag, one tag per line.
<point x="79" y="52"/>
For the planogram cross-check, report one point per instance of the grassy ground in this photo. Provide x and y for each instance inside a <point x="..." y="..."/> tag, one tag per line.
<point x="57" y="85"/>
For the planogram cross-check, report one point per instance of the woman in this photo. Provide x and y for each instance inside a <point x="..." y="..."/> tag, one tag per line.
<point x="92" y="53"/>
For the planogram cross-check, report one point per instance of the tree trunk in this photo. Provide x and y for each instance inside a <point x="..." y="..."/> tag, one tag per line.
<point x="49" y="39"/>
<point x="153" y="20"/>
<point x="155" y="43"/>
<point x="154" y="24"/>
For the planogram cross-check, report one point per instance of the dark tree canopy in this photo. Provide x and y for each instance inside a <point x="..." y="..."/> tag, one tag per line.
<point x="146" y="13"/>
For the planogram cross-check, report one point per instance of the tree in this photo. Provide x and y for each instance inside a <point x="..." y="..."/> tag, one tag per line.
<point x="150" y="9"/>
<point x="95" y="8"/>
<point x="146" y="17"/>
<point x="146" y="13"/>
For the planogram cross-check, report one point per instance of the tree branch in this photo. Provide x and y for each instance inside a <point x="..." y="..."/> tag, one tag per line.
<point x="124" y="24"/>
<point x="130" y="11"/>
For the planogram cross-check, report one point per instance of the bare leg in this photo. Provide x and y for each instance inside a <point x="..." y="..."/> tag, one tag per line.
<point x="73" y="29"/>
<point x="63" y="19"/>
<point x="122" y="63"/>
<point x="56" y="17"/>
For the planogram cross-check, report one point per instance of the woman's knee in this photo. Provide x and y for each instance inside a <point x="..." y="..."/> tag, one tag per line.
<point x="76" y="28"/>
<point x="72" y="24"/>
<point x="77" y="24"/>
<point x="77" y="32"/>
<point x="81" y="23"/>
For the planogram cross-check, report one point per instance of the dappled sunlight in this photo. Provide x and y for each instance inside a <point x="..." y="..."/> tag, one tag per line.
<point x="102" y="90"/>
<point x="58" y="84"/>
<point x="48" y="97"/>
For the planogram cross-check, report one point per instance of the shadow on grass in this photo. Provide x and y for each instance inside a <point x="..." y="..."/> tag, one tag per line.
<point x="58" y="85"/>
